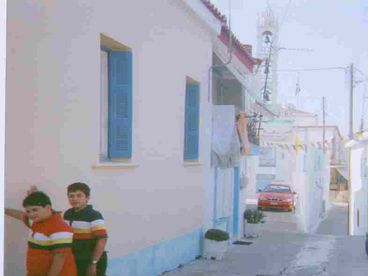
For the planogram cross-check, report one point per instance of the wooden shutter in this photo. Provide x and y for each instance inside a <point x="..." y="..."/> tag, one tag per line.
<point x="191" y="137"/>
<point x="120" y="105"/>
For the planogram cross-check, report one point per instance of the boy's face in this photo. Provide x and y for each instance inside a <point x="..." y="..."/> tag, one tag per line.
<point x="78" y="200"/>
<point x="38" y="213"/>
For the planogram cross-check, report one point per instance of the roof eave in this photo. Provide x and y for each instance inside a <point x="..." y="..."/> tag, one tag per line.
<point x="200" y="9"/>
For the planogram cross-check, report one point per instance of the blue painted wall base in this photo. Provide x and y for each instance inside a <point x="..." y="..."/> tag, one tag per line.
<point x="159" y="258"/>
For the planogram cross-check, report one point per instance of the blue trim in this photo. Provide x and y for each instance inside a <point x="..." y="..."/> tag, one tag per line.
<point x="216" y="220"/>
<point x="215" y="199"/>
<point x="159" y="258"/>
<point x="106" y="49"/>
<point x="236" y="202"/>
<point x="191" y="124"/>
<point x="254" y="149"/>
<point x="120" y="105"/>
<point x="221" y="221"/>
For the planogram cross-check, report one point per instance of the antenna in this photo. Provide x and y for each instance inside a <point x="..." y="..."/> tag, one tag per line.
<point x="230" y="33"/>
<point x="296" y="49"/>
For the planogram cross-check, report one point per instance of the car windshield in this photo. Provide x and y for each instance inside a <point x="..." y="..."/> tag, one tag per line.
<point x="277" y="189"/>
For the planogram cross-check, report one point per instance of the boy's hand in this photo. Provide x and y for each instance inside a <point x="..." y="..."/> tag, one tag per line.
<point x="32" y="189"/>
<point x="17" y="214"/>
<point x="92" y="270"/>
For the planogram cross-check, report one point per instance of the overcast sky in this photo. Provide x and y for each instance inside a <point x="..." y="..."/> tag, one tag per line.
<point x="336" y="30"/>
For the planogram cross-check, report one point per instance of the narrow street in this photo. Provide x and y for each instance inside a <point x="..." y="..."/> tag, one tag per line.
<point x="281" y="250"/>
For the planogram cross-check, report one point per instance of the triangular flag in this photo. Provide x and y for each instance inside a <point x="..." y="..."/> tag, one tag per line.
<point x="296" y="143"/>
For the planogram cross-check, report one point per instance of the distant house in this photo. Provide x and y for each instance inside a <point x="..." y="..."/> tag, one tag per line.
<point x="292" y="152"/>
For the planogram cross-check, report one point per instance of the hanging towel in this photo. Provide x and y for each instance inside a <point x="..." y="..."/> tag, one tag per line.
<point x="225" y="141"/>
<point x="241" y="125"/>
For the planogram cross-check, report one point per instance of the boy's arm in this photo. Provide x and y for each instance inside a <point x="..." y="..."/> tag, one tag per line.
<point x="96" y="255"/>
<point x="57" y="263"/>
<point x="17" y="214"/>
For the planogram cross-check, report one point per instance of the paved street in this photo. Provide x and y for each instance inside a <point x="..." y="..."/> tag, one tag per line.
<point x="336" y="222"/>
<point x="282" y="221"/>
<point x="281" y="250"/>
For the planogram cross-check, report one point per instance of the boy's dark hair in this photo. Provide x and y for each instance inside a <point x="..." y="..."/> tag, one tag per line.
<point x="79" y="186"/>
<point x="37" y="199"/>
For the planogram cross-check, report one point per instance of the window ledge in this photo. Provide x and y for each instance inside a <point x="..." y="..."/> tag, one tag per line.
<point x="114" y="165"/>
<point x="192" y="163"/>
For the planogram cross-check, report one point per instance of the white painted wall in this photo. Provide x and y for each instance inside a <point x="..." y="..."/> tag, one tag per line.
<point x="3" y="12"/>
<point x="53" y="118"/>
<point x="359" y="191"/>
<point x="307" y="120"/>
<point x="315" y="198"/>
<point x="252" y="166"/>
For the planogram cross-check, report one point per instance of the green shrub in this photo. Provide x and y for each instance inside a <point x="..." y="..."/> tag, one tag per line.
<point x="216" y="235"/>
<point x="254" y="216"/>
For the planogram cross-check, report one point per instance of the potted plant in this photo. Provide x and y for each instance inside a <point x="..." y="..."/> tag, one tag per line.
<point x="215" y="244"/>
<point x="252" y="218"/>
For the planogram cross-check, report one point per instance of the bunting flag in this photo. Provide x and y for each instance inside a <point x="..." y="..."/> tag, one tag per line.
<point x="304" y="147"/>
<point x="327" y="144"/>
<point x="297" y="144"/>
<point x="319" y="145"/>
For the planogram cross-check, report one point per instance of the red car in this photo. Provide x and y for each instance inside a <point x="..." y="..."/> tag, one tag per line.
<point x="278" y="196"/>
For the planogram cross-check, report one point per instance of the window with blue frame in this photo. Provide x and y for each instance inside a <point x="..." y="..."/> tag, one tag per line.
<point x="116" y="102"/>
<point x="191" y="125"/>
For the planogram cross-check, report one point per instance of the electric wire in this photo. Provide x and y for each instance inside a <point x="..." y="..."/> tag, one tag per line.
<point x="312" y="69"/>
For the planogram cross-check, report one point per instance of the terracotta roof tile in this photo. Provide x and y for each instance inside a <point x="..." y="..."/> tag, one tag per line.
<point x="215" y="11"/>
<point x="242" y="51"/>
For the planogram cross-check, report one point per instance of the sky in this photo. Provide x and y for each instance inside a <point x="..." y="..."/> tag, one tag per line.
<point x="337" y="33"/>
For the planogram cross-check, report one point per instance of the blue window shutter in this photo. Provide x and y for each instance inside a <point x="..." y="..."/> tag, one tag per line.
<point x="120" y="105"/>
<point x="191" y="136"/>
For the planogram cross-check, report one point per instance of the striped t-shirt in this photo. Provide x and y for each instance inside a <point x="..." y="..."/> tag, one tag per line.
<point x="45" y="239"/>
<point x="88" y="226"/>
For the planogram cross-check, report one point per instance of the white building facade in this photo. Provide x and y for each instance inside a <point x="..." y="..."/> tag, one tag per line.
<point x="358" y="195"/>
<point x="147" y="158"/>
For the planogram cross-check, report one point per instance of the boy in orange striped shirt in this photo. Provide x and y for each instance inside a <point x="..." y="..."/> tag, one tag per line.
<point x="50" y="240"/>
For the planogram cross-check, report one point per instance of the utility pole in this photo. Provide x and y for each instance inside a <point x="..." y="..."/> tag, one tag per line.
<point x="267" y="71"/>
<point x="351" y="121"/>
<point x="351" y="135"/>
<point x="324" y="124"/>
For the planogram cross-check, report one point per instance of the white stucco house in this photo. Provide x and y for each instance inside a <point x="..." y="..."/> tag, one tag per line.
<point x="115" y="96"/>
<point x="291" y="154"/>
<point x="2" y="122"/>
<point x="120" y="96"/>
<point x="358" y="194"/>
<point x="233" y="95"/>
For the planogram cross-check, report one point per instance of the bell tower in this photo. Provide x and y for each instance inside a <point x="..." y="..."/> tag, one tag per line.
<point x="267" y="50"/>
